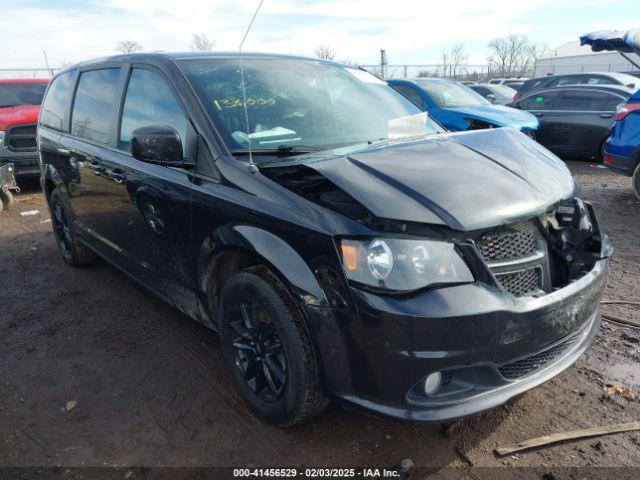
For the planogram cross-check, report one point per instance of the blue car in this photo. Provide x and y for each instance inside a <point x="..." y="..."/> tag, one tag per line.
<point x="622" y="148"/>
<point x="457" y="107"/>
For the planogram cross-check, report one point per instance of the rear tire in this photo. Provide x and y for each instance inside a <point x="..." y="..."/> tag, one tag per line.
<point x="6" y="198"/>
<point x="269" y="352"/>
<point x="636" y="181"/>
<point x="600" y="155"/>
<point x="71" y="250"/>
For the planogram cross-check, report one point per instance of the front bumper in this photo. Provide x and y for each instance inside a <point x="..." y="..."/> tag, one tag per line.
<point x="489" y="346"/>
<point x="25" y="163"/>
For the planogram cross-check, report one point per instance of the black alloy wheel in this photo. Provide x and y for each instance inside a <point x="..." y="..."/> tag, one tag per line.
<point x="267" y="346"/>
<point x="71" y="250"/>
<point x="259" y="355"/>
<point x="61" y="229"/>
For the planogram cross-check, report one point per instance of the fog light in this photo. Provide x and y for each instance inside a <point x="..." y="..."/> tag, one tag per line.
<point x="432" y="383"/>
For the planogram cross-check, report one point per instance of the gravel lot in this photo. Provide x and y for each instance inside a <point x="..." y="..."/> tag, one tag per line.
<point x="150" y="387"/>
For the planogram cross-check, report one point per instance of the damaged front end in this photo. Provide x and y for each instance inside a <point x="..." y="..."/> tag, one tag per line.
<point x="546" y="253"/>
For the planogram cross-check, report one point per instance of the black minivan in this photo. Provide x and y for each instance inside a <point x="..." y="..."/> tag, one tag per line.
<point x="340" y="241"/>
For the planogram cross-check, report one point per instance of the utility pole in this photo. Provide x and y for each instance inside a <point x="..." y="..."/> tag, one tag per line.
<point x="383" y="63"/>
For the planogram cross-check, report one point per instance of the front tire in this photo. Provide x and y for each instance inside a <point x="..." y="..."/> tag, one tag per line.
<point x="636" y="181"/>
<point x="269" y="352"/>
<point x="71" y="250"/>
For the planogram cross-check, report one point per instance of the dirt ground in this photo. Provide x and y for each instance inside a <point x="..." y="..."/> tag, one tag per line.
<point x="146" y="386"/>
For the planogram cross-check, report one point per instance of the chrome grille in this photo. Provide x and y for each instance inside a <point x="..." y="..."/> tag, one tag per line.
<point x="509" y="243"/>
<point x="21" y="137"/>
<point x="530" y="364"/>
<point x="520" y="284"/>
<point x="516" y="255"/>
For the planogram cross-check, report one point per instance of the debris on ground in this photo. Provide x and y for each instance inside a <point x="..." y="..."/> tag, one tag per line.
<point x="29" y="213"/>
<point x="71" y="404"/>
<point x="624" y="390"/>
<point x="563" y="436"/>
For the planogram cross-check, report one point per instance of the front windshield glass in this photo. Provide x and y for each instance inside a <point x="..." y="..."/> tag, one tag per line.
<point x="302" y="103"/>
<point x="447" y="94"/>
<point x="14" y="94"/>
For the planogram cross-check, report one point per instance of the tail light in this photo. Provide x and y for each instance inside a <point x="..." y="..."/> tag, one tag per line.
<point x="625" y="109"/>
<point x="517" y="96"/>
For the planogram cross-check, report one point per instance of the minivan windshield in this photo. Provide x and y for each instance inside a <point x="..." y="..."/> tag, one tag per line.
<point x="15" y="94"/>
<point x="300" y="105"/>
<point x="447" y="94"/>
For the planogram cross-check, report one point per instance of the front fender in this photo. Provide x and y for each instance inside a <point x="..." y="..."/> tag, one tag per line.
<point x="276" y="253"/>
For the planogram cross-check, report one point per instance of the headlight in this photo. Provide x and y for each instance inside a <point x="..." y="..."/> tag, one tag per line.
<point x="1" y="137"/>
<point x="401" y="264"/>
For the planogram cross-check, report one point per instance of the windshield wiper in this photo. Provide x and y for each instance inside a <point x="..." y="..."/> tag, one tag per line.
<point x="7" y="106"/>
<point x="279" y="151"/>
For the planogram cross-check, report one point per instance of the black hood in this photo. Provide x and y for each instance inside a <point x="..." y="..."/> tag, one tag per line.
<point x="467" y="180"/>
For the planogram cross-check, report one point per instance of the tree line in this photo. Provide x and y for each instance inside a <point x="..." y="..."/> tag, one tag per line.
<point x="512" y="56"/>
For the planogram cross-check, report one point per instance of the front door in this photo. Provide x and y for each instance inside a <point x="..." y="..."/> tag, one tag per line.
<point x="152" y="225"/>
<point x="582" y="120"/>
<point x="541" y="105"/>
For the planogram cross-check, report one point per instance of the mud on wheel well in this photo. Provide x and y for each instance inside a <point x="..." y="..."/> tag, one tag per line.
<point x="227" y="264"/>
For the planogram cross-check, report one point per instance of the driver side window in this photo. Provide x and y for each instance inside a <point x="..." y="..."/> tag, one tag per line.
<point x="149" y="101"/>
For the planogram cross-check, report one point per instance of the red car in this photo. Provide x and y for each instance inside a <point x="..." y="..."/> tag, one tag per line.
<point x="19" y="108"/>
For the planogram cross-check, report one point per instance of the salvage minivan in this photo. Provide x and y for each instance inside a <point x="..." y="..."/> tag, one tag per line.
<point x="343" y="244"/>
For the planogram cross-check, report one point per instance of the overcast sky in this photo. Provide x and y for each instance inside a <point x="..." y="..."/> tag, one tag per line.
<point x="412" y="31"/>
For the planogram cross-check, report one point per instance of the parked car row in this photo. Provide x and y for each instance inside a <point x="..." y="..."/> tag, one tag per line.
<point x="568" y="119"/>
<point x="457" y="107"/>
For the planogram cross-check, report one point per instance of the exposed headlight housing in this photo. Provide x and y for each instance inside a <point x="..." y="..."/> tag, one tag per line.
<point x="403" y="264"/>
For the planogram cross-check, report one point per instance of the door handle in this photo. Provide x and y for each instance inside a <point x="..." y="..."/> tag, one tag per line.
<point x="117" y="175"/>
<point x="606" y="115"/>
<point x="538" y="114"/>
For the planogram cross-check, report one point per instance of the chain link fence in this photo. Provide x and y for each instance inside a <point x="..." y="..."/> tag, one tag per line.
<point x="27" y="72"/>
<point x="476" y="73"/>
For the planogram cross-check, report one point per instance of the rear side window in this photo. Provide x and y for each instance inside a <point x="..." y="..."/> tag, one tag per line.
<point x="149" y="101"/>
<point x="577" y="100"/>
<point x="611" y="102"/>
<point x="599" y="81"/>
<point x="539" y="101"/>
<point x="93" y="105"/>
<point x="531" y="84"/>
<point x="410" y="93"/>
<point x="55" y="103"/>
<point x="568" y="80"/>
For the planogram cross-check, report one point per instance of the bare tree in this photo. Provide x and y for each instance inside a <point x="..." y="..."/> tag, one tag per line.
<point x="514" y="55"/>
<point x="445" y="58"/>
<point x="325" y="52"/>
<point x="458" y="58"/>
<point x="536" y="50"/>
<point x="201" y="42"/>
<point x="128" y="46"/>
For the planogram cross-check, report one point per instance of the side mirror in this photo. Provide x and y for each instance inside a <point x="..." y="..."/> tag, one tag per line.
<point x="159" y="144"/>
<point x="491" y="97"/>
